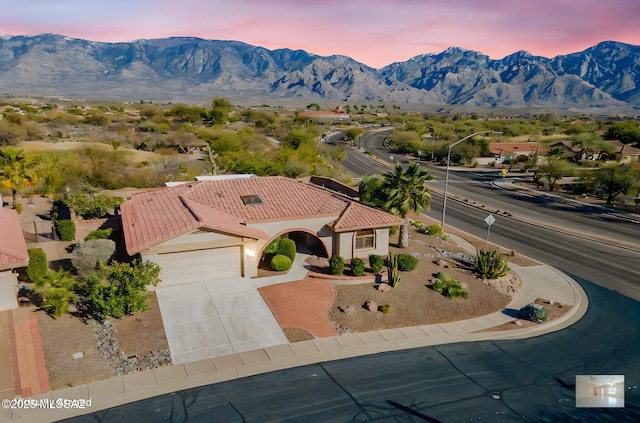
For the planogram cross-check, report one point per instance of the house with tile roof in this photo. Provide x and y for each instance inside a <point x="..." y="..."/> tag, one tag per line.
<point x="13" y="255"/>
<point x="503" y="151"/>
<point x="219" y="228"/>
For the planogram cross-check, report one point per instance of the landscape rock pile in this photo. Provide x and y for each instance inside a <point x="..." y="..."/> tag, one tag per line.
<point x="108" y="345"/>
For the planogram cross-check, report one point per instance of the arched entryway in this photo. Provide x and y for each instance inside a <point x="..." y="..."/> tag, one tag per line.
<point x="306" y="243"/>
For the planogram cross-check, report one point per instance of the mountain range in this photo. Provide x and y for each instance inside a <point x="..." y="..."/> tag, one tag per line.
<point x="604" y="76"/>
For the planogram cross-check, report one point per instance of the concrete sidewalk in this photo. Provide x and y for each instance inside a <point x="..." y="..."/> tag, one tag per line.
<point x="538" y="281"/>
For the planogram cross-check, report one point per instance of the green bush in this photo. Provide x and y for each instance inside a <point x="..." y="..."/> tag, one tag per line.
<point x="385" y="308"/>
<point x="280" y="263"/>
<point x="336" y="265"/>
<point x="38" y="265"/>
<point x="99" y="234"/>
<point x="534" y="312"/>
<point x="287" y="248"/>
<point x="407" y="262"/>
<point x="18" y="207"/>
<point x="448" y="287"/>
<point x="376" y="263"/>
<point x="357" y="266"/>
<point x="88" y="254"/>
<point x="434" y="230"/>
<point x="65" y="229"/>
<point x="90" y="204"/>
<point x="272" y="247"/>
<point x="490" y="264"/>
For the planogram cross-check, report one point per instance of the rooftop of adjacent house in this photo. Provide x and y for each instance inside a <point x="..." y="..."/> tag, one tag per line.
<point x="510" y="148"/>
<point x="624" y="149"/>
<point x="13" y="249"/>
<point x="229" y="205"/>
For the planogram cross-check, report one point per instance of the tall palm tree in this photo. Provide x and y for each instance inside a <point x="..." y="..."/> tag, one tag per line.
<point x="405" y="192"/>
<point x="16" y="170"/>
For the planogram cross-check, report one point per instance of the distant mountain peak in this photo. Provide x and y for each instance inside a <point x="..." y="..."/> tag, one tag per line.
<point x="606" y="75"/>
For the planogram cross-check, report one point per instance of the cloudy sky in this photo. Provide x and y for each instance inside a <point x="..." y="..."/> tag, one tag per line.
<point x="374" y="32"/>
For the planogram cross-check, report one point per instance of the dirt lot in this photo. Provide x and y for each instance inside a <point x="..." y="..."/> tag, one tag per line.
<point x="413" y="302"/>
<point x="61" y="338"/>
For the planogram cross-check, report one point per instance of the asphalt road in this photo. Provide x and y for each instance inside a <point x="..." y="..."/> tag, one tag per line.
<point x="531" y="380"/>
<point x="607" y="265"/>
<point x="479" y="187"/>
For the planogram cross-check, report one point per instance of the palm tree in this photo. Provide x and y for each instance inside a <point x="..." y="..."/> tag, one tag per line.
<point x="405" y="191"/>
<point x="16" y="170"/>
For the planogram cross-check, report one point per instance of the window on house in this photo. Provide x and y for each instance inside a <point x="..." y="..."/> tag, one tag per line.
<point x="365" y="238"/>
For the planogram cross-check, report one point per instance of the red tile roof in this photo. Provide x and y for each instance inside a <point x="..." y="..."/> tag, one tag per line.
<point x="13" y="249"/>
<point x="152" y="217"/>
<point x="510" y="148"/>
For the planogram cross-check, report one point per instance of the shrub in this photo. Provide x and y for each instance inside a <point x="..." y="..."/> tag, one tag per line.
<point x="448" y="287"/>
<point x="272" y="247"/>
<point x="65" y="229"/>
<point x="534" y="312"/>
<point x="393" y="277"/>
<point x="490" y="264"/>
<point x="120" y="289"/>
<point x="89" y="204"/>
<point x="385" y="308"/>
<point x="336" y="265"/>
<point x="19" y="208"/>
<point x="88" y="254"/>
<point x="287" y="248"/>
<point x="357" y="266"/>
<point x="99" y="234"/>
<point x="376" y="263"/>
<point x="280" y="263"/>
<point x="55" y="301"/>
<point x="407" y="262"/>
<point x="434" y="230"/>
<point x="38" y="265"/>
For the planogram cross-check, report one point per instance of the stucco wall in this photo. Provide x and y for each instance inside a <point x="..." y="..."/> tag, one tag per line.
<point x="345" y="245"/>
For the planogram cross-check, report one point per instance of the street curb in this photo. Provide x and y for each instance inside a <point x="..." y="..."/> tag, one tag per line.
<point x="165" y="380"/>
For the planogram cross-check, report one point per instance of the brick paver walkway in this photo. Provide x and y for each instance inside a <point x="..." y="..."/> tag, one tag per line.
<point x="29" y="371"/>
<point x="302" y="304"/>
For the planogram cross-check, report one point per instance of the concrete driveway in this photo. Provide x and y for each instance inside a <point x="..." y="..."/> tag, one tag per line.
<point x="215" y="318"/>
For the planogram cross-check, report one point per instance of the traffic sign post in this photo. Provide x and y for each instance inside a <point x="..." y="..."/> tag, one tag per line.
<point x="490" y="220"/>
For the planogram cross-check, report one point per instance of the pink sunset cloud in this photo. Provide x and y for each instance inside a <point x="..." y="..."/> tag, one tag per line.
<point x="374" y="32"/>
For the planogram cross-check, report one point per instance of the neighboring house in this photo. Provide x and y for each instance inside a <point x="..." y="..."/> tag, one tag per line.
<point x="225" y="224"/>
<point x="13" y="255"/>
<point x="503" y="151"/>
<point x="569" y="150"/>
<point x="628" y="154"/>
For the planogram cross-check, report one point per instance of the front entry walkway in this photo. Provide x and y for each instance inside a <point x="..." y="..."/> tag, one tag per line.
<point x="215" y="318"/>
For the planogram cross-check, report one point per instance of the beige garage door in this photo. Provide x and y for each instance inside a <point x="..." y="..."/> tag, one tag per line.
<point x="199" y="266"/>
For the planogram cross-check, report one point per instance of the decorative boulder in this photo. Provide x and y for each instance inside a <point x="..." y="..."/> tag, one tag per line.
<point x="371" y="305"/>
<point x="347" y="309"/>
<point x="384" y="287"/>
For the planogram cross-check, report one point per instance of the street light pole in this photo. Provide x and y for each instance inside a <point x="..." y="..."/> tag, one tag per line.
<point x="446" y="178"/>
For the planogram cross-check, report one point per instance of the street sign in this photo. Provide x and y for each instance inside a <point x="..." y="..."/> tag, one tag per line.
<point x="490" y="220"/>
